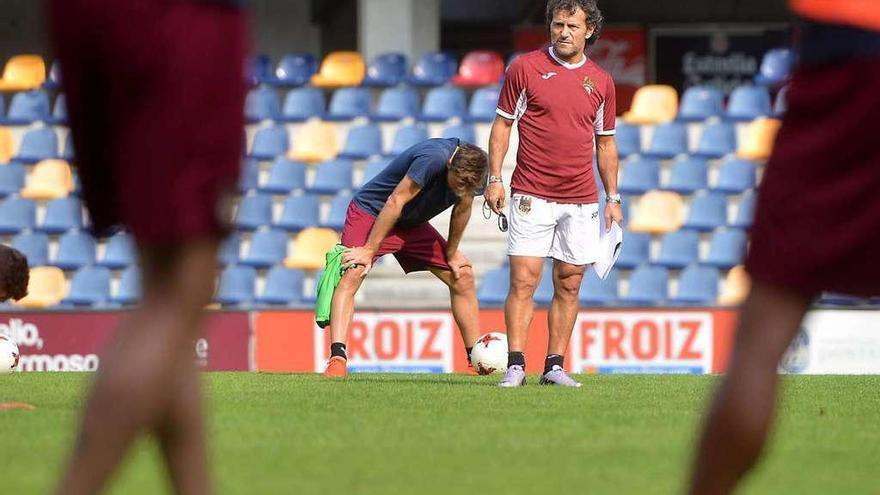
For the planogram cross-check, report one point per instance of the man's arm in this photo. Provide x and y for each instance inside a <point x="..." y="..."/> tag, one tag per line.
<point x="499" y="140"/>
<point x="606" y="149"/>
<point x="461" y="215"/>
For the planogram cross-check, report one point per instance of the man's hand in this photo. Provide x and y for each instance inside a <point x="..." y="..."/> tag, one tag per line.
<point x="457" y="262"/>
<point x="495" y="196"/>
<point x="358" y="256"/>
<point x="613" y="212"/>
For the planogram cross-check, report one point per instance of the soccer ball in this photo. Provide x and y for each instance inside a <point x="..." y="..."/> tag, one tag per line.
<point x="489" y="354"/>
<point x="8" y="355"/>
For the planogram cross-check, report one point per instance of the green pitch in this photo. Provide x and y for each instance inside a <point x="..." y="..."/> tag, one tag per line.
<point x="445" y="434"/>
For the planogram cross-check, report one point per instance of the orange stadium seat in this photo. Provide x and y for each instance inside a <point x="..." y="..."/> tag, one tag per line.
<point x="6" y="151"/>
<point x="340" y="69"/>
<point x="23" y="72"/>
<point x="50" y="179"/>
<point x="735" y="287"/>
<point x="315" y="141"/>
<point x="311" y="246"/>
<point x="653" y="104"/>
<point x="46" y="287"/>
<point x="658" y="212"/>
<point x="759" y="138"/>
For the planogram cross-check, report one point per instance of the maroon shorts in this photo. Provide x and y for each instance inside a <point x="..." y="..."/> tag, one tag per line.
<point x="416" y="248"/>
<point x="155" y="95"/>
<point x="817" y="223"/>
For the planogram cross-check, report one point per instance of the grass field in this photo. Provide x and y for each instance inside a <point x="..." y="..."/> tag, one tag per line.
<point x="444" y="434"/>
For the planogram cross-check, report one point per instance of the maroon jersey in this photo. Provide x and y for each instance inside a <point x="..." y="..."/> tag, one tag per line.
<point x="559" y="106"/>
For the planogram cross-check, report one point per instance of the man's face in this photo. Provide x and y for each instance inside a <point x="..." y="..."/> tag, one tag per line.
<point x="457" y="185"/>
<point x="569" y="33"/>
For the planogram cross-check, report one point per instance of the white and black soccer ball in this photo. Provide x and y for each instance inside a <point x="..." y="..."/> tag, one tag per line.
<point x="8" y="355"/>
<point x="489" y="354"/>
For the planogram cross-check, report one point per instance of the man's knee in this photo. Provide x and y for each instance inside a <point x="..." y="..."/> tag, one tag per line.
<point x="523" y="284"/>
<point x="465" y="283"/>
<point x="351" y="280"/>
<point x="568" y="287"/>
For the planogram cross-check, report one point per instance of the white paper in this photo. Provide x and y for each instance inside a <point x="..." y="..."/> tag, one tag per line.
<point x="609" y="249"/>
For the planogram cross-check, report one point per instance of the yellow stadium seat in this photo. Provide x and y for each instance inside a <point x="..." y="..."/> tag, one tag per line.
<point x="50" y="179"/>
<point x="653" y="104"/>
<point x="6" y="151"/>
<point x="735" y="288"/>
<point x="311" y="246"/>
<point x="23" y="72"/>
<point x="315" y="141"/>
<point x="340" y="69"/>
<point x="46" y="287"/>
<point x="759" y="138"/>
<point x="658" y="212"/>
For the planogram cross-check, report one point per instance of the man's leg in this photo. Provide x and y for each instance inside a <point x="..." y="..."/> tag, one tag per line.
<point x="560" y="320"/>
<point x="341" y="314"/>
<point x="525" y="274"/>
<point x="740" y="416"/>
<point x="146" y="379"/>
<point x="463" y="298"/>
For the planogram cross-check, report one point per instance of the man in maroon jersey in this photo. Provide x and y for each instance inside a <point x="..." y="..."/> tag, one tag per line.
<point x="560" y="99"/>
<point x="155" y="93"/>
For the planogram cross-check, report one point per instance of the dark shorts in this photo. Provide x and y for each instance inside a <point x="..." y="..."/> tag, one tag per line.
<point x="416" y="248"/>
<point x="817" y="224"/>
<point x="155" y="97"/>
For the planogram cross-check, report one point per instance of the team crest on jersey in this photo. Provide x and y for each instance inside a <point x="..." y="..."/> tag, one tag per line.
<point x="589" y="85"/>
<point x="525" y="205"/>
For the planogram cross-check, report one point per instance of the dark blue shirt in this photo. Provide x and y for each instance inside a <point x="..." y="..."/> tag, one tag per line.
<point x="424" y="163"/>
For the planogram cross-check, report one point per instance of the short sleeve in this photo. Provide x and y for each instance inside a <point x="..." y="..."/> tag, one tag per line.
<point x="605" y="122"/>
<point x="512" y="100"/>
<point x="425" y="167"/>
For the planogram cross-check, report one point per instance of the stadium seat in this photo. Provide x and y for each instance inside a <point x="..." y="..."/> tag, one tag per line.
<point x="362" y="142"/>
<point x="316" y="141"/>
<point x="718" y="139"/>
<point x="629" y="139"/>
<point x="270" y="142"/>
<point x="780" y="105"/>
<point x="493" y="287"/>
<point x="396" y="104"/>
<point x="338" y="208"/>
<point x="67" y="153"/>
<point x="253" y="212"/>
<point x="373" y="167"/>
<point x="348" y="104"/>
<point x="267" y="247"/>
<point x="444" y="103"/>
<point x="406" y="136"/>
<point x="648" y="286"/>
<point x="708" y="211"/>
<point x="639" y="176"/>
<point x="688" y="175"/>
<point x="262" y="103"/>
<point x="59" y="111"/>
<point x="17" y="214"/>
<point x="119" y="252"/>
<point x="89" y="286"/>
<point x="129" y="290"/>
<point x="736" y="176"/>
<point x="653" y="104"/>
<point x="53" y="79"/>
<point x="735" y="287"/>
<point x="597" y="292"/>
<point x="311" y="246"/>
<point x="302" y="104"/>
<point x="464" y="132"/>
<point x="299" y="212"/>
<point x="748" y="103"/>
<point x="284" y="286"/>
<point x="5" y="143"/>
<point x="479" y="68"/>
<point x="23" y="73"/>
<point x="332" y="177"/>
<point x="236" y="286"/>
<point x="285" y="176"/>
<point x="698" y="103"/>
<point x="776" y="67"/>
<point x="229" y="250"/>
<point x="678" y="249"/>
<point x="295" y="69"/>
<point x="668" y="141"/>
<point x="250" y="175"/>
<point x="483" y="103"/>
<point x="697" y="285"/>
<point x="12" y="178"/>
<point x="38" y="144"/>
<point x="544" y="291"/>
<point x="259" y="69"/>
<point x="658" y="212"/>
<point x="727" y="248"/>
<point x="27" y="107"/>
<point x="386" y="70"/>
<point x="433" y="69"/>
<point x="50" y="179"/>
<point x="75" y="249"/>
<point x="46" y="288"/>
<point x="745" y="213"/>
<point x="340" y="69"/>
<point x="636" y="250"/>
<point x="62" y="214"/>
<point x="34" y="245"/>
<point x="759" y="138"/>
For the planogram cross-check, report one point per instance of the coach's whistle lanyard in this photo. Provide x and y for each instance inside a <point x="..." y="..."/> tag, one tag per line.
<point x="502" y="218"/>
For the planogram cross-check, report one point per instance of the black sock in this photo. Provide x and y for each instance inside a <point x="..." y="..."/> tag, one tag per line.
<point x="338" y="349"/>
<point x="516" y="358"/>
<point x="468" y="351"/>
<point x="553" y="360"/>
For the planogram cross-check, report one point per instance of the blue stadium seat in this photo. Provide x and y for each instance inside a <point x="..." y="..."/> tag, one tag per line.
<point x="119" y="252"/>
<point x="59" y="111"/>
<point x="17" y="214"/>
<point x="26" y="107"/>
<point x="708" y="211"/>
<point x="250" y="175"/>
<point x="295" y="69"/>
<point x="285" y="176"/>
<point x="464" y="132"/>
<point x="678" y="249"/>
<point x="38" y="144"/>
<point x="697" y="285"/>
<point x="228" y="252"/>
<point x="363" y="141"/>
<point x="267" y="248"/>
<point x="75" y="249"/>
<point x="444" y="103"/>
<point x="483" y="103"/>
<point x="373" y="167"/>
<point x="11" y="178"/>
<point x="338" y="207"/>
<point x="302" y="104"/>
<point x="254" y="211"/>
<point x="236" y="286"/>
<point x="748" y="103"/>
<point x="492" y="290"/>
<point x="544" y="291"/>
<point x="635" y="251"/>
<point x="629" y="139"/>
<point x="34" y="245"/>
<point x="396" y="103"/>
<point x="639" y="176"/>
<point x="406" y="136"/>
<point x="261" y="104"/>
<point x="259" y="69"/>
<point x="776" y="67"/>
<point x="89" y="286"/>
<point x="333" y="176"/>
<point x="284" y="286"/>
<point x="648" y="286"/>
<point x="736" y="175"/>
<point x="688" y="175"/>
<point x="433" y="69"/>
<point x="745" y="212"/>
<point x="781" y="103"/>
<point x="700" y="102"/>
<point x="669" y="140"/>
<point x="62" y="214"/>
<point x="718" y="139"/>
<point x="2" y="105"/>
<point x="300" y="212"/>
<point x="67" y="152"/>
<point x="727" y="248"/>
<point x="386" y="70"/>
<point x="53" y="78"/>
<point x="270" y="142"/>
<point x="349" y="103"/>
<point x="129" y="290"/>
<point x="597" y="292"/>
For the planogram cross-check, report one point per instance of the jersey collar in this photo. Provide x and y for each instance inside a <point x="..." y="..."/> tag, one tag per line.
<point x="566" y="64"/>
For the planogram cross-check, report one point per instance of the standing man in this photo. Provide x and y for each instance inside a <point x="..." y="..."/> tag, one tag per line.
<point x="389" y="215"/>
<point x="561" y="100"/>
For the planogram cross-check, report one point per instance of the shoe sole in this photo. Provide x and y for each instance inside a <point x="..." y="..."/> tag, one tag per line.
<point x="544" y="381"/>
<point x="502" y="385"/>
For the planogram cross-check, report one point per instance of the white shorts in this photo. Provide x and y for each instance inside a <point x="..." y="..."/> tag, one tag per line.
<point x="563" y="231"/>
